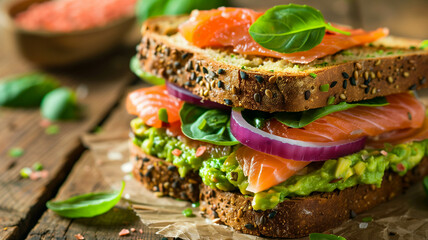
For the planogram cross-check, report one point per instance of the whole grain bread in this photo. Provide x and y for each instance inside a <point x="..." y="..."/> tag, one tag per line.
<point x="300" y="216"/>
<point x="163" y="178"/>
<point x="390" y="65"/>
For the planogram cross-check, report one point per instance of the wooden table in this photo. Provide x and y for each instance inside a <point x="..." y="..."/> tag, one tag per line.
<point x="23" y="214"/>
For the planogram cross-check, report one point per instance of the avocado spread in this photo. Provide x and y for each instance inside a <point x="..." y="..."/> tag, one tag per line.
<point x="222" y="171"/>
<point x="364" y="167"/>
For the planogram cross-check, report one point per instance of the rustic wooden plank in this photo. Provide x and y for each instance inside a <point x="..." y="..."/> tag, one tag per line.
<point x="22" y="201"/>
<point x="86" y="178"/>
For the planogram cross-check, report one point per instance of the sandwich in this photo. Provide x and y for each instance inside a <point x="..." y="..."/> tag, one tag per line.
<point x="278" y="123"/>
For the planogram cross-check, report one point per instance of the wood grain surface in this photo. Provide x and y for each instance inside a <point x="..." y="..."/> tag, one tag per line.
<point x="71" y="168"/>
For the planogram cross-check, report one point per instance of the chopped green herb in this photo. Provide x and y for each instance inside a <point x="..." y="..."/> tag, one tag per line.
<point x="86" y="205"/>
<point x="409" y="115"/>
<point x="313" y="75"/>
<point x="188" y="212"/>
<point x="52" y="129"/>
<point x="321" y="64"/>
<point x="424" y="44"/>
<point x="400" y="52"/>
<point x="324" y="87"/>
<point x="271" y="70"/>
<point x="389" y="53"/>
<point x="426" y="184"/>
<point x="371" y="45"/>
<point x="37" y="166"/>
<point x="380" y="51"/>
<point x="195" y="204"/>
<point x="25" y="172"/>
<point x="347" y="53"/>
<point x="331" y="100"/>
<point x="412" y="47"/>
<point x="98" y="129"/>
<point x="243" y="67"/>
<point x="232" y="56"/>
<point x="16" y="152"/>
<point x="322" y="236"/>
<point x="367" y="219"/>
<point x="163" y="115"/>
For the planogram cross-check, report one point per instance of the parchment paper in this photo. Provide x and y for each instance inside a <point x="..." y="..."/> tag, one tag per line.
<point x="405" y="217"/>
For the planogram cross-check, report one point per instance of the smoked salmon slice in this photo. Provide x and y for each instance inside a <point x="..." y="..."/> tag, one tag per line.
<point x="264" y="170"/>
<point x="404" y="111"/>
<point x="146" y="103"/>
<point x="228" y="27"/>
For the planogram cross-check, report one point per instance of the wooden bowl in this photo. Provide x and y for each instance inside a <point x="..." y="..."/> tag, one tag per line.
<point x="50" y="49"/>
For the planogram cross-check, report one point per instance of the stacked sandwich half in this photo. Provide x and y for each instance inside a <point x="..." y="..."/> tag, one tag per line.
<point x="277" y="134"/>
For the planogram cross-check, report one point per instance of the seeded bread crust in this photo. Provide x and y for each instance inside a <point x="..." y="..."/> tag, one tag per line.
<point x="195" y="69"/>
<point x="163" y="178"/>
<point x="301" y="216"/>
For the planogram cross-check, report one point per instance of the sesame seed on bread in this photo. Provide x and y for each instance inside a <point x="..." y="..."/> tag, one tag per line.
<point x="389" y="65"/>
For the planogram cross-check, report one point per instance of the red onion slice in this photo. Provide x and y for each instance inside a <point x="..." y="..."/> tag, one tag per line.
<point x="262" y="141"/>
<point x="189" y="97"/>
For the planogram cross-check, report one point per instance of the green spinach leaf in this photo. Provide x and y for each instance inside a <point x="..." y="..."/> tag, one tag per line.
<point x="301" y="119"/>
<point x="134" y="65"/>
<point x="60" y="104"/>
<point x="151" y="8"/>
<point x="86" y="205"/>
<point x="290" y="28"/>
<point x="206" y="125"/>
<point x="26" y="90"/>
<point x="322" y="236"/>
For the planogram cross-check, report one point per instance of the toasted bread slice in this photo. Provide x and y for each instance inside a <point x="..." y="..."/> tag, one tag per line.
<point x="390" y="65"/>
<point x="300" y="216"/>
<point x="162" y="177"/>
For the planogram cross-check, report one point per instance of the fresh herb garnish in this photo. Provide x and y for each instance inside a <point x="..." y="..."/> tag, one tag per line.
<point x="195" y="204"/>
<point x="86" y="205"/>
<point x="60" y="104"/>
<point x="301" y="119"/>
<point x="321" y="236"/>
<point x="134" y="65"/>
<point x="16" y="152"/>
<point x="26" y="90"/>
<point x="188" y="212"/>
<point x="313" y="75"/>
<point x="151" y="8"/>
<point x="25" y="172"/>
<point x="163" y="115"/>
<point x="52" y="130"/>
<point x="325" y="87"/>
<point x="206" y="125"/>
<point x="290" y="28"/>
<point x="367" y="219"/>
<point x="330" y="100"/>
<point x="37" y="166"/>
<point x="424" y="44"/>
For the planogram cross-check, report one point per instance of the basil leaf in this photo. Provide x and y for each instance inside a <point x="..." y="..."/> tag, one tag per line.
<point x="290" y="28"/>
<point x="321" y="236"/>
<point x="426" y="184"/>
<point x="134" y="65"/>
<point x="86" y="205"/>
<point x="26" y="90"/>
<point x="151" y="8"/>
<point x="60" y="104"/>
<point x="206" y="125"/>
<point x="301" y="119"/>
